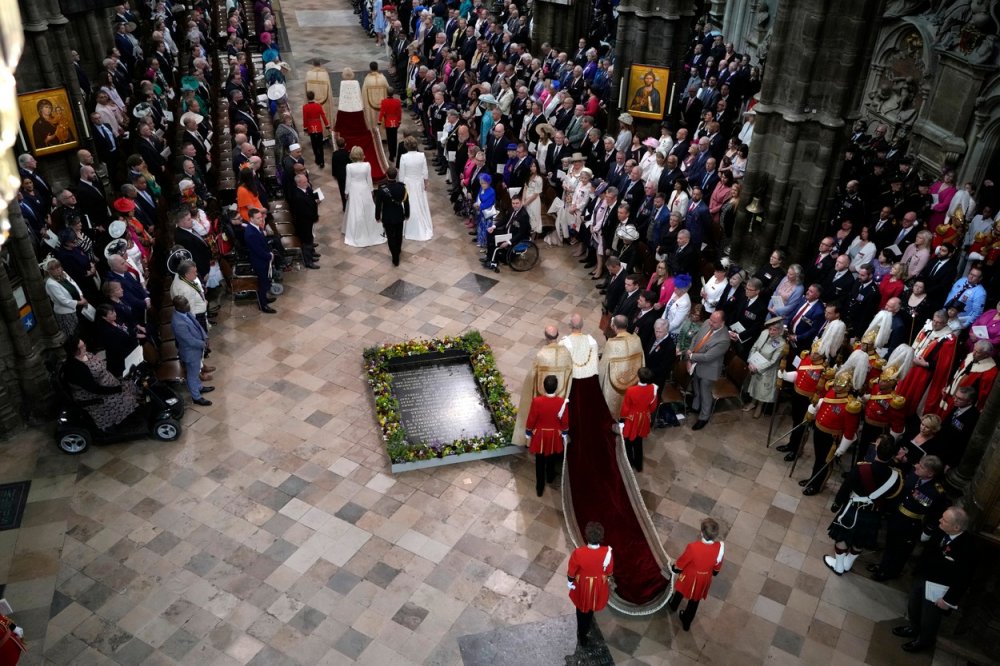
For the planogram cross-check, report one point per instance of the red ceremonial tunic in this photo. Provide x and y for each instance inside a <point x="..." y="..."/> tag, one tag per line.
<point x="548" y="418"/>
<point x="390" y="112"/>
<point x="807" y="378"/>
<point x="697" y="565"/>
<point x="886" y="410"/>
<point x="638" y="406"/>
<point x="834" y="418"/>
<point x="314" y="118"/>
<point x="586" y="568"/>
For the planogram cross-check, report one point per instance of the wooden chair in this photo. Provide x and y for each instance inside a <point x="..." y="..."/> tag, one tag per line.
<point x="730" y="383"/>
<point x="167" y="370"/>
<point x="678" y="387"/>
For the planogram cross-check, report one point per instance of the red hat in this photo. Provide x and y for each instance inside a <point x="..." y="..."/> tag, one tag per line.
<point x="124" y="205"/>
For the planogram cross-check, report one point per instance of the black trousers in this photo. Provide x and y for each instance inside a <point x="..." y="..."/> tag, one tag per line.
<point x="924" y="615"/>
<point x="901" y="536"/>
<point x="688" y="613"/>
<point x="394" y="236"/>
<point x="822" y="443"/>
<point x="633" y="450"/>
<point x="545" y="470"/>
<point x="263" y="289"/>
<point x="800" y="405"/>
<point x="583" y="623"/>
<point x="319" y="152"/>
<point x="391" y="134"/>
<point x="342" y="185"/>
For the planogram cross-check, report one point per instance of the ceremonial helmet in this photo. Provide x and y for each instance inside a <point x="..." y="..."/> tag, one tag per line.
<point x="898" y="365"/>
<point x="842" y="381"/>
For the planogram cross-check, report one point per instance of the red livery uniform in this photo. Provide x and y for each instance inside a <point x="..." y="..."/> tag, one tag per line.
<point x="590" y="569"/>
<point x="390" y="112"/>
<point x="314" y="118"/>
<point x="548" y="420"/>
<point x="885" y="409"/>
<point x="699" y="562"/>
<point x="836" y="422"/>
<point x="638" y="406"/>
<point x="808" y="376"/>
<point x="11" y="645"/>
<point x="808" y="379"/>
<point x="978" y="374"/>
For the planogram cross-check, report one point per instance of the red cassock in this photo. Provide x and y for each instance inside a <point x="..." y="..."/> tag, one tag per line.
<point x="940" y="353"/>
<point x="980" y="375"/>
<point x="548" y="418"/>
<point x="638" y="406"/>
<point x="11" y="645"/>
<point x="697" y="565"/>
<point x="590" y="576"/>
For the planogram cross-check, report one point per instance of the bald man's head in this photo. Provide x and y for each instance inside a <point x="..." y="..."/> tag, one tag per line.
<point x="551" y="333"/>
<point x="576" y="322"/>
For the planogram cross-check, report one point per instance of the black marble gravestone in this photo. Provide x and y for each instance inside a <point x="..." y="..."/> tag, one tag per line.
<point x="439" y="399"/>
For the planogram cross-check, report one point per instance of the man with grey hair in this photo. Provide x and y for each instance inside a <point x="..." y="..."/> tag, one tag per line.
<point x="708" y="349"/>
<point x="947" y="565"/>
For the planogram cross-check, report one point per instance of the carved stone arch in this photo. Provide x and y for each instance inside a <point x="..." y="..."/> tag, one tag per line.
<point x="901" y="74"/>
<point x="984" y="134"/>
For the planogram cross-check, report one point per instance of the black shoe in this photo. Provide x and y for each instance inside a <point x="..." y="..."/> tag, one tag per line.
<point x="395" y="262"/>
<point x="699" y="424"/>
<point x="267" y="309"/>
<point x="917" y="646"/>
<point x="803" y="482"/>
<point x="872" y="568"/>
<point x="784" y="448"/>
<point x="905" y="631"/>
<point x="589" y="264"/>
<point x="790" y="456"/>
<point x="207" y="389"/>
<point x="811" y="490"/>
<point x="271" y="299"/>
<point x="202" y="402"/>
<point x="316" y="254"/>
<point x="686" y="622"/>
<point x="880" y="576"/>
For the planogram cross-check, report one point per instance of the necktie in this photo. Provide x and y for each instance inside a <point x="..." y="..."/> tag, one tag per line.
<point x="900" y="236"/>
<point x="704" y="182"/>
<point x="703" y="340"/>
<point x="945" y="541"/>
<point x="937" y="266"/>
<point x="799" y="315"/>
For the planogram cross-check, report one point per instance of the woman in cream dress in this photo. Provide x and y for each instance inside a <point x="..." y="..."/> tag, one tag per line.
<point x="567" y="217"/>
<point x="360" y="227"/>
<point x="413" y="174"/>
<point x="533" y="197"/>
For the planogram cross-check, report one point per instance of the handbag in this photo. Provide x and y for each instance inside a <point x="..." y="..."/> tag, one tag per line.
<point x="490" y="213"/>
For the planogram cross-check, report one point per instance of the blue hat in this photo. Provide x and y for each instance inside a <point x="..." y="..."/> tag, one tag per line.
<point x="682" y="281"/>
<point x="486" y="177"/>
<point x="556" y="85"/>
<point x="511" y="146"/>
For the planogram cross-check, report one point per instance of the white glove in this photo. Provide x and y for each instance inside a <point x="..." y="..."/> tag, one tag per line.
<point x="812" y="410"/>
<point x="844" y="445"/>
<point x="565" y="439"/>
<point x="571" y="585"/>
<point x="618" y="428"/>
<point x="924" y="537"/>
<point x="790" y="376"/>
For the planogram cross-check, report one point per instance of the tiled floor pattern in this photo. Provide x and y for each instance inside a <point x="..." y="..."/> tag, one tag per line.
<point x="272" y="533"/>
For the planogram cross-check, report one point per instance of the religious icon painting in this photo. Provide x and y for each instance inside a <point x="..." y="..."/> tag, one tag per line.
<point x="647" y="91"/>
<point x="48" y="118"/>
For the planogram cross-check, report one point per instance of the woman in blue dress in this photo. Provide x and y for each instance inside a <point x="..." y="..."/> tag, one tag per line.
<point x="378" y="20"/>
<point x="487" y="208"/>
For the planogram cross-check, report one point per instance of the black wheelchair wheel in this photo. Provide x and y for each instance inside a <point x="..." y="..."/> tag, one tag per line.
<point x="523" y="257"/>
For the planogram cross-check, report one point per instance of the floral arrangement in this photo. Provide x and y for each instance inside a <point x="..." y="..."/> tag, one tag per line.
<point x="484" y="369"/>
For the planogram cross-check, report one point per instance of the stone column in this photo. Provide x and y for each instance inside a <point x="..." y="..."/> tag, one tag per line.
<point x="981" y="466"/>
<point x="23" y="253"/>
<point x="810" y="87"/>
<point x="560" y="23"/>
<point x="28" y="364"/>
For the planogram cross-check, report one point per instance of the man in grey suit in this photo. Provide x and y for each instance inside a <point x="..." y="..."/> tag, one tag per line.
<point x="191" y="339"/>
<point x="708" y="349"/>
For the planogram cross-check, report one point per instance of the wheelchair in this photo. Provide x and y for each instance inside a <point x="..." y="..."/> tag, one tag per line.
<point x="521" y="257"/>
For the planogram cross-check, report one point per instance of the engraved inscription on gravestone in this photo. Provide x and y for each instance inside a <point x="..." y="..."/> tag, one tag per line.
<point x="439" y="399"/>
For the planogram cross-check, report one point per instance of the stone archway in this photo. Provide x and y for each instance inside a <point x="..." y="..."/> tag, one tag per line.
<point x="901" y="74"/>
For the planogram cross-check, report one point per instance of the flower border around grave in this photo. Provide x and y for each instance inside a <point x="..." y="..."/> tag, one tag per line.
<point x="488" y="377"/>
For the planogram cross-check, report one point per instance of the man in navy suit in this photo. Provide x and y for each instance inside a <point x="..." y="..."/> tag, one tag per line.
<point x="697" y="220"/>
<point x="27" y="168"/>
<point x="260" y="258"/>
<point x="709" y="178"/>
<point x="191" y="341"/>
<point x="805" y="322"/>
<point x="135" y="295"/>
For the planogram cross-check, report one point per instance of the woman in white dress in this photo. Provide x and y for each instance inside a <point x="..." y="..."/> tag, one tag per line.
<point x="360" y="227"/>
<point x="533" y="197"/>
<point x="413" y="174"/>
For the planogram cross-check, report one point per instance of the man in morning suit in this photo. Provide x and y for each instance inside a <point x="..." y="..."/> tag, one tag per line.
<point x="339" y="161"/>
<point x="546" y="430"/>
<point x="628" y="304"/>
<point x="185" y="236"/>
<point x="708" y="349"/>
<point x="303" y="204"/>
<point x="260" y="258"/>
<point x="946" y="564"/>
<point x="392" y="209"/>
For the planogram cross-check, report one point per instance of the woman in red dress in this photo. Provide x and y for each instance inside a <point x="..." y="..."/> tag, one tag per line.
<point x="695" y="568"/>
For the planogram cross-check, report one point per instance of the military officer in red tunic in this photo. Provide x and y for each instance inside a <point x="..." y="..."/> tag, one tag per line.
<point x="589" y="573"/>
<point x="835" y="418"/>
<point x="638" y="407"/>
<point x="808" y="379"/>
<point x="695" y="568"/>
<point x="546" y="430"/>
<point x="884" y="408"/>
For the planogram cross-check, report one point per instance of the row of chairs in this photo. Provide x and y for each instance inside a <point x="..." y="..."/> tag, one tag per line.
<point x="728" y="386"/>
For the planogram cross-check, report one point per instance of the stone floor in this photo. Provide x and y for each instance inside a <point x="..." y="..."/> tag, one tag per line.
<point x="273" y="533"/>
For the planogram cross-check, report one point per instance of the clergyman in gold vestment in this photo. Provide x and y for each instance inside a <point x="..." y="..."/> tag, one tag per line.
<point x="552" y="359"/>
<point x="619" y="365"/>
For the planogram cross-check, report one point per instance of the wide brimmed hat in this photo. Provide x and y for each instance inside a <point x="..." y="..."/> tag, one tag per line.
<point x="545" y="128"/>
<point x="487" y="99"/>
<point x="628" y="232"/>
<point x="189" y="83"/>
<point x="191" y="114"/>
<point x="276" y="91"/>
<point x="577" y="157"/>
<point x="626" y="119"/>
<point x="774" y="320"/>
<point x="142" y="110"/>
<point x="651" y="143"/>
<point x="117" y="228"/>
<point x="124" y="205"/>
